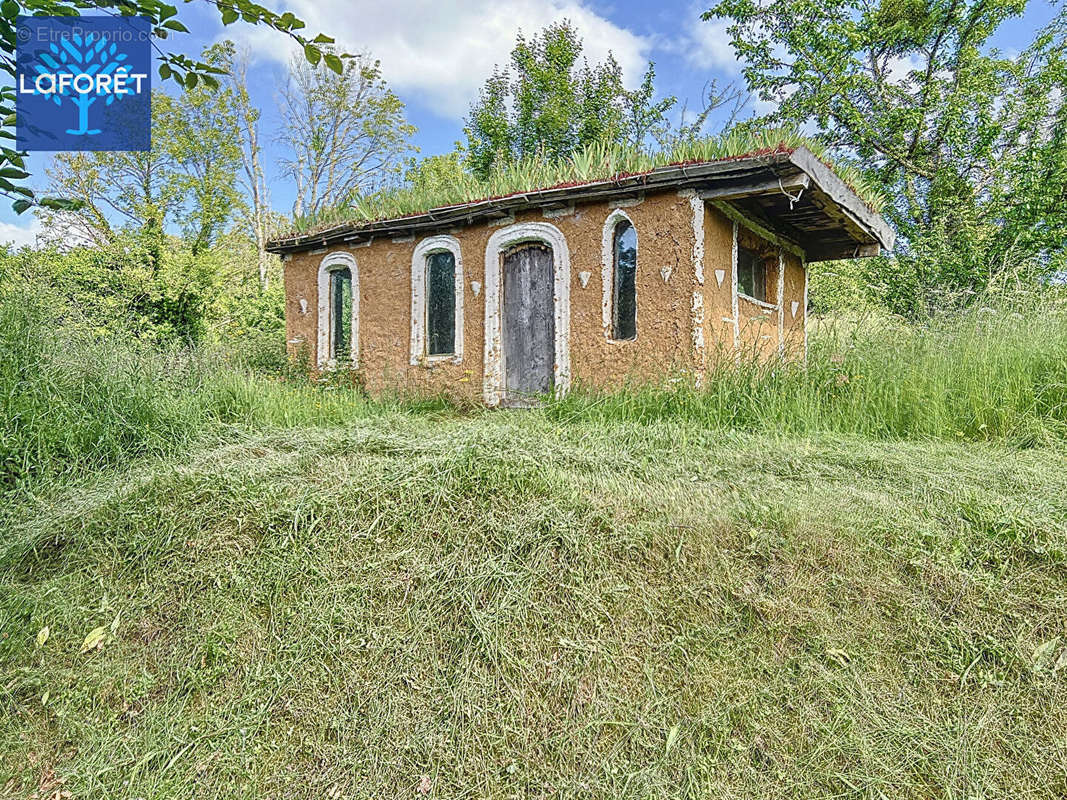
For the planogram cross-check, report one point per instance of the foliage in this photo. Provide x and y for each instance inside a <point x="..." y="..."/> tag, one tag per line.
<point x="345" y="133"/>
<point x="994" y="373"/>
<point x="78" y="396"/>
<point x="444" y="185"/>
<point x="550" y="103"/>
<point x="186" y="180"/>
<point x="173" y="65"/>
<point x="970" y="143"/>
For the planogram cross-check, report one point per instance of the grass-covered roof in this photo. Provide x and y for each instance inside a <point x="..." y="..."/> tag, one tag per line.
<point x="594" y="163"/>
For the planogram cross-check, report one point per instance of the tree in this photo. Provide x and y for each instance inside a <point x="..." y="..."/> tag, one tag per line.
<point x="187" y="180"/>
<point x="259" y="221"/>
<point x="175" y="66"/>
<point x="550" y="102"/>
<point x="345" y="133"/>
<point x="967" y="141"/>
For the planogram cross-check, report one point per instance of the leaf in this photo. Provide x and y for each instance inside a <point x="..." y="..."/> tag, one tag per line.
<point x="191" y="79"/>
<point x="42" y="635"/>
<point x="1044" y="650"/>
<point x="334" y="63"/>
<point x="94" y="639"/>
<point x="312" y="54"/>
<point x="1061" y="662"/>
<point x="21" y="206"/>
<point x="672" y="737"/>
<point x="322" y="38"/>
<point x="229" y="16"/>
<point x="9" y="8"/>
<point x="174" y="25"/>
<point x="164" y="71"/>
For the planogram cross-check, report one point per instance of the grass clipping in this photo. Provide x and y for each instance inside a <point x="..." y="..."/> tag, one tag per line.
<point x="503" y="606"/>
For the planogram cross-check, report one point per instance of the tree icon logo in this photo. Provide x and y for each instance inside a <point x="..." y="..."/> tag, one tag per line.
<point x="77" y="57"/>
<point x="83" y="83"/>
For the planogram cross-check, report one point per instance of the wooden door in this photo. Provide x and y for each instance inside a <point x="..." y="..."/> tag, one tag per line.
<point x="529" y="323"/>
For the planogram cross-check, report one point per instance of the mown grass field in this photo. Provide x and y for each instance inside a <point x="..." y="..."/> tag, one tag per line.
<point x="510" y="605"/>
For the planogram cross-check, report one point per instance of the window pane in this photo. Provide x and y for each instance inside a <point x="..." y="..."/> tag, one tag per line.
<point x="751" y="274"/>
<point x="441" y="304"/>
<point x="341" y="311"/>
<point x="625" y="305"/>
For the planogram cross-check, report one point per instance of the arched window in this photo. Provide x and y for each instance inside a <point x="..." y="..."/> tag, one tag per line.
<point x="340" y="313"/>
<point x="440" y="304"/>
<point x="437" y="300"/>
<point x="624" y="281"/>
<point x="338" y="318"/>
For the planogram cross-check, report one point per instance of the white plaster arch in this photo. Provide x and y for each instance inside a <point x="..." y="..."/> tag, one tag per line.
<point x="335" y="261"/>
<point x="607" y="265"/>
<point x="546" y="233"/>
<point x="428" y="246"/>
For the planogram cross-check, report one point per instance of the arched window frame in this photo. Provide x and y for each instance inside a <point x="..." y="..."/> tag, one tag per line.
<point x="419" y="262"/>
<point x="607" y="271"/>
<point x="331" y="263"/>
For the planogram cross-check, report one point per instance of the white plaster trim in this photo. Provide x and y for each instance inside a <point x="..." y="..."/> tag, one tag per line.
<point x="756" y="301"/>
<point x="794" y="306"/>
<point x="476" y="287"/>
<point x="665" y="273"/>
<point x="493" y="387"/>
<point x="333" y="261"/>
<point x="583" y="277"/>
<point x="556" y="213"/>
<point x="733" y="291"/>
<point x="425" y="248"/>
<point x="781" y="304"/>
<point x="496" y="223"/>
<point x="403" y="239"/>
<point x="627" y="202"/>
<point x="317" y="251"/>
<point x="696" y="205"/>
<point x="364" y="243"/>
<point x="304" y="306"/>
<point x="607" y="265"/>
<point x="720" y="276"/>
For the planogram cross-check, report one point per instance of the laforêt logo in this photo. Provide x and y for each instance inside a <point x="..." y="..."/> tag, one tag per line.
<point x="83" y="83"/>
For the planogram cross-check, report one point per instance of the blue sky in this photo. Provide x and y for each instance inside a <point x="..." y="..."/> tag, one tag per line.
<point x="435" y="55"/>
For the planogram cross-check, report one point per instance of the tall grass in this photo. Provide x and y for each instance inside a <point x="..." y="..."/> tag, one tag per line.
<point x="993" y="373"/>
<point x="598" y="161"/>
<point x="71" y="402"/>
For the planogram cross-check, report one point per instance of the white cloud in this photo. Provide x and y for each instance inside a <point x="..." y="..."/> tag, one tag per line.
<point x="706" y="45"/>
<point x="442" y="52"/>
<point x="18" y="235"/>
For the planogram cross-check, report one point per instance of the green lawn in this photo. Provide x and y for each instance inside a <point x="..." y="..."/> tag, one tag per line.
<point x="519" y="605"/>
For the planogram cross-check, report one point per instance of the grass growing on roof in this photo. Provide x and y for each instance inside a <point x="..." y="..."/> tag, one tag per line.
<point x="596" y="162"/>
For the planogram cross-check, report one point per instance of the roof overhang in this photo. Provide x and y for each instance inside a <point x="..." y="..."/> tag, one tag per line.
<point x="792" y="194"/>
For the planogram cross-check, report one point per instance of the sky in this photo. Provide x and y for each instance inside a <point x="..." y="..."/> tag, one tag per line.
<point x="436" y="54"/>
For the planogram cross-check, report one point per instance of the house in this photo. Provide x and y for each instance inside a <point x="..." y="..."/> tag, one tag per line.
<point x="631" y="278"/>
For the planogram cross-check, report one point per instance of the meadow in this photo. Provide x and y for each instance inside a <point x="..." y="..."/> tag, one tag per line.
<point x="845" y="578"/>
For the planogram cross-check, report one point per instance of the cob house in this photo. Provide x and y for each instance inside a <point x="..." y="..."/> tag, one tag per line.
<point x="630" y="278"/>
